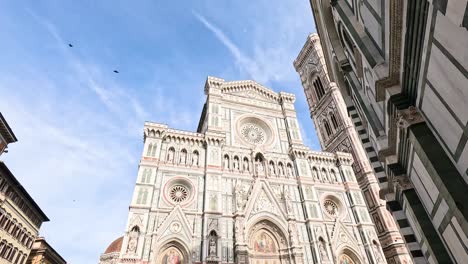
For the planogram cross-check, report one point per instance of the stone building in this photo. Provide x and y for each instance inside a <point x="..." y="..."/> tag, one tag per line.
<point x="20" y="219"/>
<point x="43" y="253"/>
<point x="336" y="132"/>
<point x="401" y="67"/>
<point x="244" y="189"/>
<point x="6" y="135"/>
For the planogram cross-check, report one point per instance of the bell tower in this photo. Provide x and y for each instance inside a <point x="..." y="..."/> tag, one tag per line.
<point x="336" y="132"/>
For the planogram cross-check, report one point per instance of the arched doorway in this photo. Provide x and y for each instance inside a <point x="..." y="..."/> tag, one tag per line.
<point x="348" y="257"/>
<point x="172" y="253"/>
<point x="266" y="244"/>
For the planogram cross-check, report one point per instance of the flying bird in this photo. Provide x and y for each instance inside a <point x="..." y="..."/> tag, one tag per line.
<point x="116" y="71"/>
<point x="70" y="45"/>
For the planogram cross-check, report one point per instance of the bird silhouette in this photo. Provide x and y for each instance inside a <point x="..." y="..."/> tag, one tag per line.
<point x="70" y="45"/>
<point x="116" y="71"/>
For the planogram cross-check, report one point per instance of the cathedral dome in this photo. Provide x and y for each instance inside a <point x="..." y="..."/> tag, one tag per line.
<point x="115" y="246"/>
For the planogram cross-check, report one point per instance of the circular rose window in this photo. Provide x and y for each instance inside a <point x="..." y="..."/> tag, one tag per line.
<point x="178" y="193"/>
<point x="330" y="207"/>
<point x="254" y="131"/>
<point x="253" y="134"/>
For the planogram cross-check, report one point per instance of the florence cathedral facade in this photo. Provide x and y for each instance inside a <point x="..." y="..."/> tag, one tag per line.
<point x="243" y="188"/>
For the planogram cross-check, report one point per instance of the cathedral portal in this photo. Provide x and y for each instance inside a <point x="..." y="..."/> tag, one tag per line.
<point x="266" y="244"/>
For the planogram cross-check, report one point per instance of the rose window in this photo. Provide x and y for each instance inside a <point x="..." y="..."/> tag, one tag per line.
<point x="178" y="193"/>
<point x="253" y="134"/>
<point x="331" y="207"/>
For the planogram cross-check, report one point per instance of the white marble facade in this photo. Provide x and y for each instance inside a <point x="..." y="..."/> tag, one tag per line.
<point x="244" y="189"/>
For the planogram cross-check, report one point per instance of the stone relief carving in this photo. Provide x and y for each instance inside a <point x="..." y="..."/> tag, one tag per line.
<point x="263" y="203"/>
<point x="212" y="250"/>
<point x="241" y="193"/>
<point x="287" y="200"/>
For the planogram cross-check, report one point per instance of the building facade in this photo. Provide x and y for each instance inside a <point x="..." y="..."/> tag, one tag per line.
<point x="336" y="132"/>
<point x="401" y="67"/>
<point x="43" y="253"/>
<point x="20" y="219"/>
<point x="244" y="189"/>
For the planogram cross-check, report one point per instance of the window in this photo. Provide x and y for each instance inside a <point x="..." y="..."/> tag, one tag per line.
<point x="319" y="90"/>
<point x="334" y="122"/>
<point x="327" y="128"/>
<point x="146" y="176"/>
<point x="150" y="150"/>
<point x="153" y="152"/>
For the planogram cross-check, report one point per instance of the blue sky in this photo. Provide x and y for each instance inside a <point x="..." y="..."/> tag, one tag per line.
<point x="80" y="126"/>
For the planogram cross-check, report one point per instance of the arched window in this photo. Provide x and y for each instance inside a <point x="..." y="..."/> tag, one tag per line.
<point x="142" y="196"/>
<point x="145" y="196"/>
<point x="327" y="127"/>
<point x="150" y="149"/>
<point x="319" y="90"/>
<point x="143" y="176"/>
<point x="334" y="122"/>
<point x="148" y="175"/>
<point x="153" y="152"/>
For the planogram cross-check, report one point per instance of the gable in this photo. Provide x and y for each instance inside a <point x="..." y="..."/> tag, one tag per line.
<point x="250" y="90"/>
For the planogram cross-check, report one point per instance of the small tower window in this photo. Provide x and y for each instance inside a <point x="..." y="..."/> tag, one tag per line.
<point x="334" y="122"/>
<point x="327" y="127"/>
<point x="319" y="90"/>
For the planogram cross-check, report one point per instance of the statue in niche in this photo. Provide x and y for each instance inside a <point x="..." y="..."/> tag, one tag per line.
<point x="287" y="200"/>
<point x="170" y="155"/>
<point x="272" y="169"/>
<point x="290" y="171"/>
<point x="195" y="159"/>
<point x="315" y="174"/>
<point x="183" y="157"/>
<point x="322" y="250"/>
<point x="259" y="165"/>
<point x="246" y="165"/>
<point x="235" y="164"/>
<point x="239" y="229"/>
<point x="240" y="197"/>
<point x="212" y="251"/>
<point x="280" y="169"/>
<point x="293" y="232"/>
<point x="133" y="240"/>
<point x="378" y="256"/>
